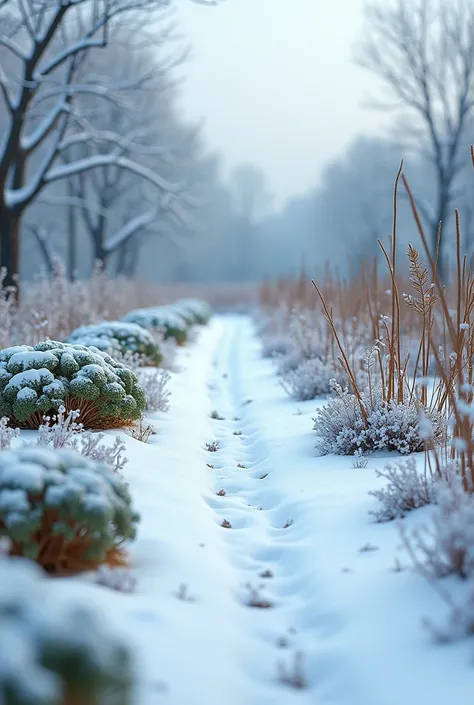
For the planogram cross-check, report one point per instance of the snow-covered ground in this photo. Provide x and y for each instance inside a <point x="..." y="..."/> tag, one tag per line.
<point x="301" y="544"/>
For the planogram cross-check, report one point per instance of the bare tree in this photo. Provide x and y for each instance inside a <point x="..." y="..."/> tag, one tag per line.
<point x="48" y="41"/>
<point x="423" y="52"/>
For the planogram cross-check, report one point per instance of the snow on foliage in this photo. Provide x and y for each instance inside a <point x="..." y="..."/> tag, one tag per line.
<point x="392" y="426"/>
<point x="54" y="651"/>
<point x="163" y="318"/>
<point x="63" y="510"/>
<point x="406" y="488"/>
<point x="35" y="381"/>
<point x="312" y="378"/>
<point x="446" y="544"/>
<point x="118" y="335"/>
<point x="199" y="311"/>
<point x="63" y="431"/>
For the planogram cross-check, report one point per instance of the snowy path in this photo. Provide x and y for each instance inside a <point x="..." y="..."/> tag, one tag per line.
<point x="297" y="526"/>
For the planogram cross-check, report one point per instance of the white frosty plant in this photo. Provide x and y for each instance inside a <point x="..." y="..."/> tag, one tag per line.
<point x="406" y="488"/>
<point x="311" y="379"/>
<point x="155" y="384"/>
<point x="445" y="545"/>
<point x="7" y="434"/>
<point x="307" y="342"/>
<point x="393" y="426"/>
<point x="63" y="431"/>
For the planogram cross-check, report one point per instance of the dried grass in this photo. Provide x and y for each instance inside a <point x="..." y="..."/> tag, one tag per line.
<point x="91" y="417"/>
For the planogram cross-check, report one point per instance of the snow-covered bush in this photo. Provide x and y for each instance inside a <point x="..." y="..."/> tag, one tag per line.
<point x="460" y="622"/>
<point x="37" y="380"/>
<point x="199" y="311"/>
<point x="118" y="335"/>
<point x="304" y="329"/>
<point x="446" y="544"/>
<point x="311" y="379"/>
<point x="406" y="488"/>
<point x="162" y="318"/>
<point x="393" y="426"/>
<point x="272" y="327"/>
<point x="155" y="384"/>
<point x="56" y="652"/>
<point x="277" y="346"/>
<point x="67" y="512"/>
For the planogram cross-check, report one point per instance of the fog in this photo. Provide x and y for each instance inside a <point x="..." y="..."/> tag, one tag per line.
<point x="294" y="98"/>
<point x="251" y="138"/>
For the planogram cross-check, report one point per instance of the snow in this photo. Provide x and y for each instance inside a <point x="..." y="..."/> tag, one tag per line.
<point x="37" y="378"/>
<point x="155" y="317"/>
<point x="336" y="597"/>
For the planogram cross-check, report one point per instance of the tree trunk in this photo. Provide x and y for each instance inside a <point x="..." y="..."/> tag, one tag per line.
<point x="441" y="217"/>
<point x="72" y="239"/>
<point x="10" y="245"/>
<point x="99" y="253"/>
<point x="121" y="259"/>
<point x="133" y="258"/>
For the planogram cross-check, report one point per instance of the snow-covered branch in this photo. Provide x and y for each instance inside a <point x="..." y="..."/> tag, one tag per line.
<point x="129" y="229"/>
<point x="68" y="53"/>
<point x="44" y="127"/>
<point x="100" y="160"/>
<point x="12" y="46"/>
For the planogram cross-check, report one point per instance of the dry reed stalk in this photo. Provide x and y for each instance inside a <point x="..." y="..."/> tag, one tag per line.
<point x="458" y="393"/>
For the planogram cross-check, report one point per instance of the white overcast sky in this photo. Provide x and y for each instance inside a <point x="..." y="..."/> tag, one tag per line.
<point x="275" y="84"/>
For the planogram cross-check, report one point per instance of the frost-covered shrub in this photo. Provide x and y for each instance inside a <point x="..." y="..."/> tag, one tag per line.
<point x="198" y="311"/>
<point x="63" y="431"/>
<point x="308" y="342"/>
<point x="38" y="380"/>
<point x="162" y="318"/>
<point x="460" y="622"/>
<point x="391" y="426"/>
<point x="155" y="384"/>
<point x="121" y="336"/>
<point x="406" y="488"/>
<point x="278" y="346"/>
<point x="56" y="652"/>
<point x="67" y="512"/>
<point x="311" y="379"/>
<point x="272" y="327"/>
<point x="446" y="544"/>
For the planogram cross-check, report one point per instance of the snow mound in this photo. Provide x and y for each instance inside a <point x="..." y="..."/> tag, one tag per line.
<point x="119" y="336"/>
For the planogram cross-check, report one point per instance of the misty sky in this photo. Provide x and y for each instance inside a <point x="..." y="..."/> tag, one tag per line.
<point x="275" y="82"/>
